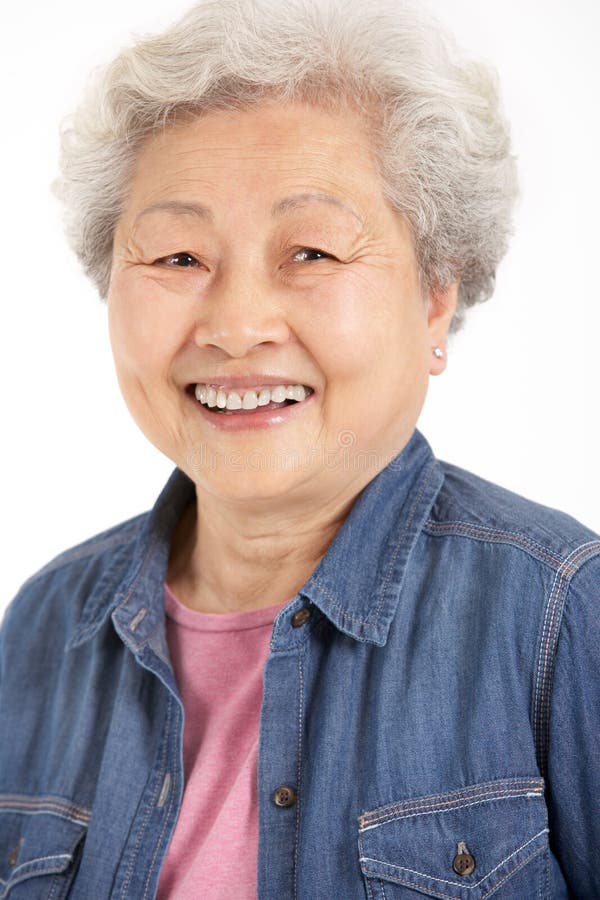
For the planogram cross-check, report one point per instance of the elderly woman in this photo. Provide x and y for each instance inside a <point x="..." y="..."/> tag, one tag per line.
<point x="325" y="664"/>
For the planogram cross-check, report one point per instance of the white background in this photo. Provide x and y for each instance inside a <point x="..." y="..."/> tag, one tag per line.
<point x="518" y="403"/>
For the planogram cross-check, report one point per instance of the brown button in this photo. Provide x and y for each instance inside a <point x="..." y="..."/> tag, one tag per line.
<point x="284" y="796"/>
<point x="463" y="863"/>
<point x="301" y="617"/>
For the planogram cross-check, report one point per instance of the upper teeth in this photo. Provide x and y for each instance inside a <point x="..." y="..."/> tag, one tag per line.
<point x="210" y="396"/>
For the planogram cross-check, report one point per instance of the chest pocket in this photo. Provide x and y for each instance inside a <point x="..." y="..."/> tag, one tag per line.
<point x="41" y="839"/>
<point x="465" y="845"/>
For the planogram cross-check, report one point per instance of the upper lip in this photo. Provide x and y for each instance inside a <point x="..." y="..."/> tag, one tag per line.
<point x="230" y="382"/>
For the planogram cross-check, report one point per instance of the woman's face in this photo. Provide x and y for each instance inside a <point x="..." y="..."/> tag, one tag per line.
<point x="257" y="244"/>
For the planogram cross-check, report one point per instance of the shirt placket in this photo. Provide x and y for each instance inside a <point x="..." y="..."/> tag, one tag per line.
<point x="280" y="787"/>
<point x="156" y="815"/>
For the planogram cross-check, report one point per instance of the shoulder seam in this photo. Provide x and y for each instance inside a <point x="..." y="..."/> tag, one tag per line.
<point x="493" y="535"/>
<point x="553" y="615"/>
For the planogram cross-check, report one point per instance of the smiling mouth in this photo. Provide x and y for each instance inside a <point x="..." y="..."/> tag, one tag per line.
<point x="248" y="402"/>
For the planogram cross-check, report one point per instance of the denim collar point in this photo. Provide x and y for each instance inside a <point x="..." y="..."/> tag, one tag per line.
<point x="124" y="590"/>
<point x="382" y="527"/>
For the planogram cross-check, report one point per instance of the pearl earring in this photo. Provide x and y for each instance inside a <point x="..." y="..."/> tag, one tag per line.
<point x="438" y="352"/>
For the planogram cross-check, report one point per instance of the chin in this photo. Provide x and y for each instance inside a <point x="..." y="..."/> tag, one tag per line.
<point x="233" y="476"/>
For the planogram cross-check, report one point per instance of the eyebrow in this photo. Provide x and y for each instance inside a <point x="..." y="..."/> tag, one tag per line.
<point x="297" y="200"/>
<point x="181" y="208"/>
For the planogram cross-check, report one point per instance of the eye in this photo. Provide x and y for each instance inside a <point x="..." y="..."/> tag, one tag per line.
<point x="309" y="250"/>
<point x="183" y="260"/>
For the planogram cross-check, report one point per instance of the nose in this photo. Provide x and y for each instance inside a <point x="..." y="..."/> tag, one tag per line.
<point x="239" y="311"/>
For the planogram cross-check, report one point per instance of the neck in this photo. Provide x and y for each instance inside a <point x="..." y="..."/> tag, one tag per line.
<point x="227" y="558"/>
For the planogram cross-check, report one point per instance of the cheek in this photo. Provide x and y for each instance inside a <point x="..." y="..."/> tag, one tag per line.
<point x="140" y="325"/>
<point x="367" y="325"/>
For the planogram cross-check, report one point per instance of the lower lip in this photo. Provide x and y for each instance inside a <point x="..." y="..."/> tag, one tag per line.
<point x="250" y="421"/>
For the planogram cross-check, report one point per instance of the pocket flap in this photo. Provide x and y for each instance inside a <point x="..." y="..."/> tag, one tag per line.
<point x="35" y="841"/>
<point x="460" y="844"/>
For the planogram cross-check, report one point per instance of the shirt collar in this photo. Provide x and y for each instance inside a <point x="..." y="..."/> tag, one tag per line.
<point x="356" y="584"/>
<point x="132" y="585"/>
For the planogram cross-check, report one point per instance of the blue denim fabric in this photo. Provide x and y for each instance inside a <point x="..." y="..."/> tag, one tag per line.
<point x="441" y="704"/>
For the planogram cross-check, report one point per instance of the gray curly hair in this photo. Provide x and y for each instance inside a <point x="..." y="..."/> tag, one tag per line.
<point x="439" y="136"/>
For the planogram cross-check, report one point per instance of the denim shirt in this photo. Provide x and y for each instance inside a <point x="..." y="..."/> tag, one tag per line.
<point x="430" y="728"/>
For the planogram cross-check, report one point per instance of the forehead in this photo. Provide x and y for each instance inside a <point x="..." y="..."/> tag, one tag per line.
<point x="280" y="155"/>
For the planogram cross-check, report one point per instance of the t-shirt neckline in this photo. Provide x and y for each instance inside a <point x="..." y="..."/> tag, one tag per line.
<point x="203" y="621"/>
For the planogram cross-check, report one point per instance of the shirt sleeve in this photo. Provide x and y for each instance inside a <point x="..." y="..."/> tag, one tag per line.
<point x="573" y="773"/>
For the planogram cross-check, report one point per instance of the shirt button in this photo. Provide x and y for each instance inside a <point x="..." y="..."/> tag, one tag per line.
<point x="301" y="617"/>
<point x="463" y="863"/>
<point x="284" y="796"/>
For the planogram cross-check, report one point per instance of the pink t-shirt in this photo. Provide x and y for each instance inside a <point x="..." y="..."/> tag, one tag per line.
<point x="218" y="661"/>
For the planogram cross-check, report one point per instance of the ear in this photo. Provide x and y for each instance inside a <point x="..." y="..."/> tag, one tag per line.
<point x="441" y="307"/>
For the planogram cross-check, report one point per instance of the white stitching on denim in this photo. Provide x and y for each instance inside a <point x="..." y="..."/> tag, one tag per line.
<point x="514" y="853"/>
<point x="562" y="577"/>
<point x="158" y="845"/>
<point x="444" y="800"/>
<point x="437" y="801"/>
<point x="434" y="812"/>
<point x="548" y="643"/>
<point x="510" y="874"/>
<point x="458" y="794"/>
<point x="569" y="570"/>
<point x="486" y="532"/>
<point x="149" y="808"/>
<point x="45" y="803"/>
<point x="299" y="773"/>
<point x="433" y="893"/>
<point x="336" y="605"/>
<point x="543" y="649"/>
<point x="42" y="812"/>
<point x="55" y="886"/>
<point x="61" y="885"/>
<point x="374" y="613"/>
<point x="543" y="881"/>
<point x="432" y="469"/>
<point x="166" y="814"/>
<point x="367" y="859"/>
<point x="39" y="859"/>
